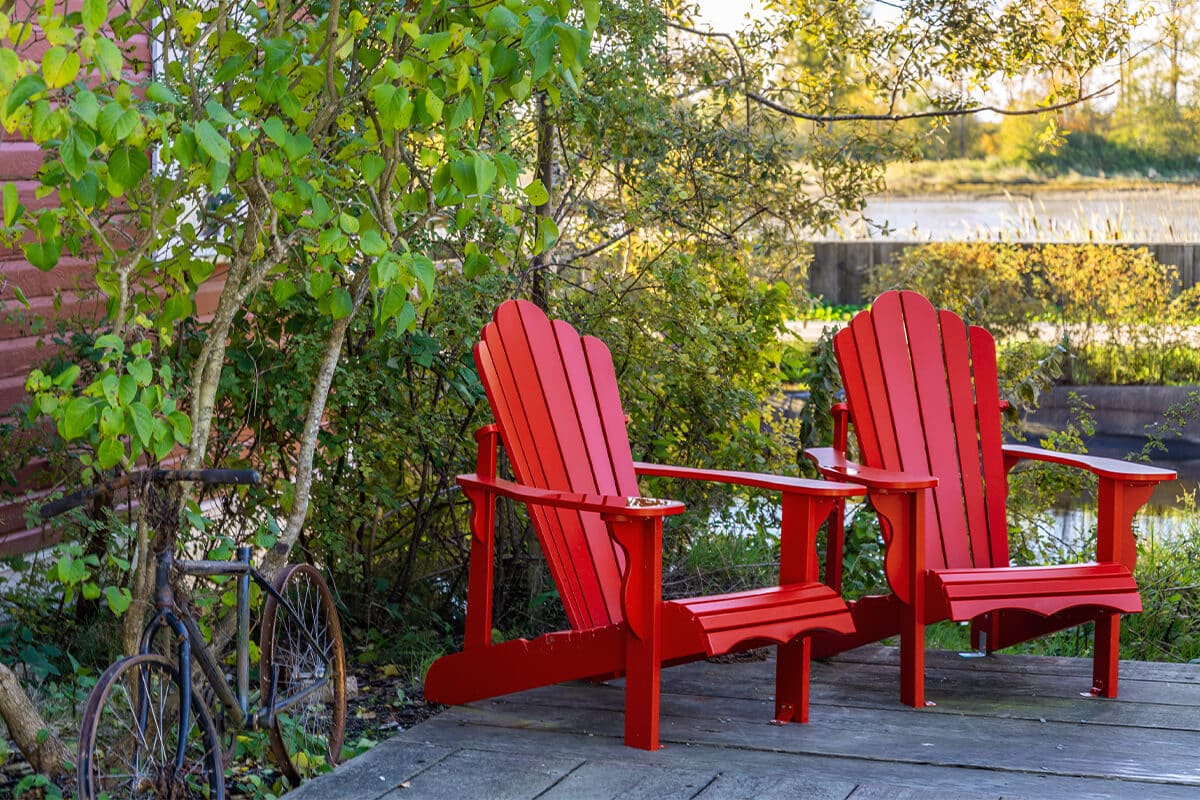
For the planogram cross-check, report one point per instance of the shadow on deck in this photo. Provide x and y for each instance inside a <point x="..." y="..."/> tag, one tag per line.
<point x="1004" y="726"/>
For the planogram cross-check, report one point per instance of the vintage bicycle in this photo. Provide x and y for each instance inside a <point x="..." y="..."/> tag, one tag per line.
<point x="148" y="733"/>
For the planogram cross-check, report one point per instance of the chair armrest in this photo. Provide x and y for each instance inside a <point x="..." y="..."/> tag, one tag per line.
<point x="780" y="483"/>
<point x="1113" y="468"/>
<point x="603" y="504"/>
<point x="834" y="464"/>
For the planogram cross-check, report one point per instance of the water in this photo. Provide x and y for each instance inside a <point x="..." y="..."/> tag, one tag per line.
<point x="1170" y="214"/>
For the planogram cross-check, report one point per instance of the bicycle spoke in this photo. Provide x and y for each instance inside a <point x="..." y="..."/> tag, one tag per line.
<point x="304" y="655"/>
<point x="128" y="742"/>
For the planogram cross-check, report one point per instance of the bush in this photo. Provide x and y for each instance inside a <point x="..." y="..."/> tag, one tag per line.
<point x="1113" y="309"/>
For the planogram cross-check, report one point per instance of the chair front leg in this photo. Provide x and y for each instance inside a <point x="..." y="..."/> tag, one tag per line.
<point x="641" y="602"/>
<point x="802" y="515"/>
<point x="1105" y="662"/>
<point x="905" y="564"/>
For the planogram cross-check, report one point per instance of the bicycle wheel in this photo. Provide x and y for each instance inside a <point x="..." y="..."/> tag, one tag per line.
<point x="129" y="735"/>
<point x="304" y="653"/>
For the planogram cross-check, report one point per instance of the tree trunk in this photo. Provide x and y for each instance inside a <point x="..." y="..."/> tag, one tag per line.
<point x="46" y="755"/>
<point x="545" y="173"/>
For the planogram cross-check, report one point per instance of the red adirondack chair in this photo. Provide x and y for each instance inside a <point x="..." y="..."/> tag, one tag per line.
<point x="558" y="414"/>
<point x="922" y="394"/>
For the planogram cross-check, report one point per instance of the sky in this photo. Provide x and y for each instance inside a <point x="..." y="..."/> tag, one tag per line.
<point x="726" y="16"/>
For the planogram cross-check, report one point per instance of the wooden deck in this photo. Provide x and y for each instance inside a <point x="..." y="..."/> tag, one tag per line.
<point x="1004" y="726"/>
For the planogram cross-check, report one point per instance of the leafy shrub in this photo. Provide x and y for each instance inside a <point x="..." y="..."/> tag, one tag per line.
<point x="1114" y="309"/>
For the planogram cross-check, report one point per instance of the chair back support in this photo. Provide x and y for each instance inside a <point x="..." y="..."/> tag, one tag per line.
<point x="922" y="391"/>
<point x="554" y="396"/>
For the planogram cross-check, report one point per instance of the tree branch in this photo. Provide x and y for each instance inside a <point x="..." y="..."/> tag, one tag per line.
<point x="942" y="112"/>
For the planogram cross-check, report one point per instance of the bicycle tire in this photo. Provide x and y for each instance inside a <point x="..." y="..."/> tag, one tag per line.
<point x="308" y="734"/>
<point x="126" y="751"/>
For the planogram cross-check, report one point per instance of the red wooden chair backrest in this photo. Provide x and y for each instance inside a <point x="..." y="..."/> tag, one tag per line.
<point x="923" y="396"/>
<point x="554" y="397"/>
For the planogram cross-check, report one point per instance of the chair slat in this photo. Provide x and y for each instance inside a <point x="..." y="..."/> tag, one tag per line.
<point x="942" y="445"/>
<point x="966" y="425"/>
<point x="991" y="445"/>
<point x="546" y="450"/>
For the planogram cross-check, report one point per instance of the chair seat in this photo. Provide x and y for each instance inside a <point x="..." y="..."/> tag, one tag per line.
<point x="774" y="614"/>
<point x="1041" y="590"/>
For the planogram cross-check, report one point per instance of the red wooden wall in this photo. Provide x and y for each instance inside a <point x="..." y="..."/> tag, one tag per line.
<point x="20" y="345"/>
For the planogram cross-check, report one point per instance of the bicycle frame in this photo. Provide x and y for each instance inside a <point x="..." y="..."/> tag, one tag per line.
<point x="234" y="699"/>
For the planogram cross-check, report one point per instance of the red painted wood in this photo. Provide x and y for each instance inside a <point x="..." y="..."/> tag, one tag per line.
<point x="922" y="392"/>
<point x="939" y="440"/>
<point x="559" y="417"/>
<point x="995" y="475"/>
<point x="966" y="432"/>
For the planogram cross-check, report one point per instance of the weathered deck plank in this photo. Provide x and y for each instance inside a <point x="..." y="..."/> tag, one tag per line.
<point x="1011" y="726"/>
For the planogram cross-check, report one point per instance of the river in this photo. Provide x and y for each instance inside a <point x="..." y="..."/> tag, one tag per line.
<point x="1169" y="214"/>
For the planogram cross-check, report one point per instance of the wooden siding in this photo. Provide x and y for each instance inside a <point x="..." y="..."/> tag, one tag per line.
<point x="59" y="295"/>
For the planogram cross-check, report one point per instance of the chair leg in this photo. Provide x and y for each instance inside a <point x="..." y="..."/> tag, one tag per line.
<point x="643" y="668"/>
<point x="792" y="667"/>
<point x="1108" y="652"/>
<point x="912" y="658"/>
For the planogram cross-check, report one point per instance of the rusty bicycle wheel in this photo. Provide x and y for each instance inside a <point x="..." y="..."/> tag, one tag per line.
<point x="129" y="737"/>
<point x="304" y="653"/>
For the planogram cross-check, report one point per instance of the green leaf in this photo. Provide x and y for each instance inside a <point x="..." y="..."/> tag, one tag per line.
<point x="181" y="425"/>
<point x="59" y="66"/>
<point x="547" y="235"/>
<point x="485" y="174"/>
<point x="126" y="389"/>
<point x="425" y="272"/>
<point x="475" y="265"/>
<point x="86" y="107"/>
<point x="537" y="194"/>
<point x="591" y="14"/>
<point x="116" y="122"/>
<point x="12" y="204"/>
<point x="109" y="56"/>
<point x="218" y="113"/>
<point x="94" y="14"/>
<point x="372" y="167"/>
<point x="500" y="19"/>
<point x="213" y="143"/>
<point x="164" y="439"/>
<point x="43" y="255"/>
<point x="109" y="453"/>
<point x="20" y="295"/>
<point x="433" y="106"/>
<point x="10" y="63"/>
<point x="372" y="244"/>
<point x="143" y="423"/>
<point x="109" y="385"/>
<point x="348" y="222"/>
<point x="141" y="371"/>
<point x="118" y="598"/>
<point x="26" y="88"/>
<point x="407" y="317"/>
<point x="297" y="146"/>
<point x="78" y="417"/>
<point x="275" y="130"/>
<point x="127" y="165"/>
<point x="112" y="422"/>
<point x="319" y="284"/>
<point x="341" y="305"/>
<point x="282" y="290"/>
<point x="109" y="341"/>
<point x="158" y="93"/>
<point x="90" y="590"/>
<point x="67" y="377"/>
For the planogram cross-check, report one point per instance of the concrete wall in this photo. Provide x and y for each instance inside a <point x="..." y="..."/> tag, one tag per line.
<point x="1119" y="410"/>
